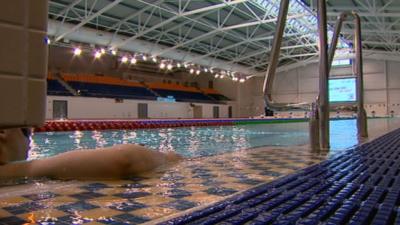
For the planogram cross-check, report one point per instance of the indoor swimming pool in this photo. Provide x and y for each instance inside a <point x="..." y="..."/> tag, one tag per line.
<point x="274" y="150"/>
<point x="199" y="141"/>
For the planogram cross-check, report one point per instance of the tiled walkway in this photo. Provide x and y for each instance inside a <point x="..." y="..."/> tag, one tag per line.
<point x="189" y="184"/>
<point x="359" y="186"/>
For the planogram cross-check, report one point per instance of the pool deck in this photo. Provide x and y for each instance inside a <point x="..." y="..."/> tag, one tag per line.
<point x="358" y="186"/>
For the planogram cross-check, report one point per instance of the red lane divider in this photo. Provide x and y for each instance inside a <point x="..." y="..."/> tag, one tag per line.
<point x="55" y="126"/>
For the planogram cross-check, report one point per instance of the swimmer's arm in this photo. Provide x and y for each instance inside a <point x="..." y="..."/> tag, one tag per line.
<point x="15" y="170"/>
<point x="115" y="162"/>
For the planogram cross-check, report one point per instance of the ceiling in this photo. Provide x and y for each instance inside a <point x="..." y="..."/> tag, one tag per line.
<point x="228" y="34"/>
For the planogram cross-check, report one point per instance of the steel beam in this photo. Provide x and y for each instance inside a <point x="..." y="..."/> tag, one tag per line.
<point x="89" y="18"/>
<point x="176" y="16"/>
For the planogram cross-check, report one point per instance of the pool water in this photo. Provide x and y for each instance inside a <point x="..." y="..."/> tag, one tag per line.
<point x="193" y="182"/>
<point x="199" y="141"/>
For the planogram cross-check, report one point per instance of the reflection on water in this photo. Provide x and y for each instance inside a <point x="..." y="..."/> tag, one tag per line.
<point x="204" y="141"/>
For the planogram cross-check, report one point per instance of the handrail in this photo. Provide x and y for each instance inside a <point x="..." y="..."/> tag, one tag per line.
<point x="361" y="114"/>
<point x="320" y="108"/>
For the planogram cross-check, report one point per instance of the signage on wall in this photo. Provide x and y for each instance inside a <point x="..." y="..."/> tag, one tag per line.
<point x="167" y="99"/>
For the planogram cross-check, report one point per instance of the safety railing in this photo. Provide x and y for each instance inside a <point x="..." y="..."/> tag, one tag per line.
<point x="319" y="118"/>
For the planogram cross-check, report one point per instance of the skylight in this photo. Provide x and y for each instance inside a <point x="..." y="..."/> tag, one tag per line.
<point x="306" y="24"/>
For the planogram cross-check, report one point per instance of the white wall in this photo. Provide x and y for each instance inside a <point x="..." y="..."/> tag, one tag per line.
<point x="381" y="83"/>
<point x="103" y="108"/>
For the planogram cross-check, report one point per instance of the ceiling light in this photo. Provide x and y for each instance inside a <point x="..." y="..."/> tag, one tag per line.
<point x="162" y="65"/>
<point x="242" y="80"/>
<point x="97" y="54"/>
<point x="178" y="65"/>
<point x="169" y="67"/>
<point x="124" y="59"/>
<point x="144" y="57"/>
<point x="77" y="51"/>
<point x="103" y="51"/>
<point x="198" y="72"/>
<point x="191" y="71"/>
<point x="113" y="52"/>
<point x="154" y="59"/>
<point x="133" y="61"/>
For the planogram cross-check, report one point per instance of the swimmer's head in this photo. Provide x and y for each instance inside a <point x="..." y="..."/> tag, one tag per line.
<point x="14" y="145"/>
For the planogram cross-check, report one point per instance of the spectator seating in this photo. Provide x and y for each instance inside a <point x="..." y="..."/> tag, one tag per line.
<point x="55" y="88"/>
<point x="111" y="87"/>
<point x="215" y="94"/>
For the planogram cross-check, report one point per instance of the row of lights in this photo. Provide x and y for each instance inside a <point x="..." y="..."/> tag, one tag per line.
<point x="166" y="64"/>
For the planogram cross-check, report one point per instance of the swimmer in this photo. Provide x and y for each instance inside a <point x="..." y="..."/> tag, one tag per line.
<point x="114" y="162"/>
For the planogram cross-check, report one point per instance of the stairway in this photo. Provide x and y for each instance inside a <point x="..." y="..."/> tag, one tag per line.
<point x="151" y="90"/>
<point x="65" y="84"/>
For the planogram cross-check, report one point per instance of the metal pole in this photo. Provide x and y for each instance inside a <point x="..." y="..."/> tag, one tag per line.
<point x="361" y="114"/>
<point x="276" y="48"/>
<point x="335" y="38"/>
<point x="323" y="76"/>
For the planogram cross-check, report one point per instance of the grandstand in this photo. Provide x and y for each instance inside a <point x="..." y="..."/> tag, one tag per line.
<point x="111" y="87"/>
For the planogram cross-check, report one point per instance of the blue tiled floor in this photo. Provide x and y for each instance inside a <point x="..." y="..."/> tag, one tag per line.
<point x="179" y="205"/>
<point x="128" y="206"/>
<point x="129" y="195"/>
<point x="12" y="220"/>
<point x="77" y="206"/>
<point x="25" y="207"/>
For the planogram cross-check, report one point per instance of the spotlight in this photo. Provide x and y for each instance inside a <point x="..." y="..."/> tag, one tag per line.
<point x="144" y="57"/>
<point x="169" y="66"/>
<point x="205" y="70"/>
<point x="222" y="76"/>
<point x="133" y="61"/>
<point x="178" y="65"/>
<point x="162" y="65"/>
<point x="102" y="51"/>
<point x="77" y="51"/>
<point x="124" y="59"/>
<point x="97" y="54"/>
<point x="211" y="70"/>
<point x="154" y="58"/>
<point x="242" y="80"/>
<point x="114" y="52"/>
<point x="185" y="65"/>
<point x="235" y="79"/>
<point x="191" y="71"/>
<point x="217" y="75"/>
<point x="198" y="72"/>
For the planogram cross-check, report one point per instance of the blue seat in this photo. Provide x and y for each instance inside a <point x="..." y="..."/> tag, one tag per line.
<point x="111" y="91"/>
<point x="55" y="88"/>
